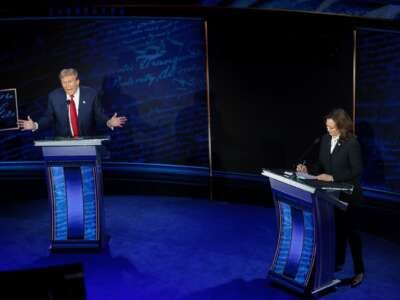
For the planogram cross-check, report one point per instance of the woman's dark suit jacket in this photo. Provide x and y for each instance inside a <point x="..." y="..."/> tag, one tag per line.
<point x="344" y="164"/>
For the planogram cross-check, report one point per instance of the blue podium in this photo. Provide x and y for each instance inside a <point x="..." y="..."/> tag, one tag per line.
<point x="304" y="259"/>
<point x="75" y="190"/>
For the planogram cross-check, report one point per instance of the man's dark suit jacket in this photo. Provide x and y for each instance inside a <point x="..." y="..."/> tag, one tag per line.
<point x="344" y="164"/>
<point x="90" y="113"/>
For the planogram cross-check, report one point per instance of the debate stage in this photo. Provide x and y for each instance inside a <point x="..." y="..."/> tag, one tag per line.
<point x="177" y="247"/>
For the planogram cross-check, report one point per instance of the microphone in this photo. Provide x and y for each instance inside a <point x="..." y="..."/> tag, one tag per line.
<point x="307" y="151"/>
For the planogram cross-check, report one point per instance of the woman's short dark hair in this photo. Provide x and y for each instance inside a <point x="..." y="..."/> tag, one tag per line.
<point x="343" y="122"/>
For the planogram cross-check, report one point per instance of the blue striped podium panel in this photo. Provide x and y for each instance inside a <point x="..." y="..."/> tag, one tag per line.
<point x="304" y="259"/>
<point x="74" y="182"/>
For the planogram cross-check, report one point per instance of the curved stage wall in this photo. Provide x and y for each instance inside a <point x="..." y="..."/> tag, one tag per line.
<point x="267" y="99"/>
<point x="378" y="109"/>
<point x="151" y="70"/>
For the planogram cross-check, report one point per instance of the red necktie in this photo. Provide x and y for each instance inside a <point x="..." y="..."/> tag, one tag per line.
<point x="74" y="117"/>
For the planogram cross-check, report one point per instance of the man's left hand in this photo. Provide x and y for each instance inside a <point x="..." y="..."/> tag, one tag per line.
<point x="116" y="121"/>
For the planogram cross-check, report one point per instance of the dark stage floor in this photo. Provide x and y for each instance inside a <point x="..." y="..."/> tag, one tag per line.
<point x="182" y="248"/>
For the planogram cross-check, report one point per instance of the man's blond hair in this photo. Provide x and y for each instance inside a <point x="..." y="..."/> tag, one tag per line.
<point x="68" y="72"/>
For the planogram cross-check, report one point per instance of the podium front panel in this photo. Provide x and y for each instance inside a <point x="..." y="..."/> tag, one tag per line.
<point x="75" y="203"/>
<point x="305" y="250"/>
<point x="75" y="189"/>
<point x="295" y="251"/>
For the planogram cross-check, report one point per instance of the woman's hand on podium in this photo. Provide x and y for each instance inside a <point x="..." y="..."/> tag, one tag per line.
<point x="325" y="177"/>
<point x="301" y="168"/>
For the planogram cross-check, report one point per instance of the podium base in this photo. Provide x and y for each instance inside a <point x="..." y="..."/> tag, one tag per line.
<point x="301" y="289"/>
<point x="321" y="289"/>
<point x="76" y="246"/>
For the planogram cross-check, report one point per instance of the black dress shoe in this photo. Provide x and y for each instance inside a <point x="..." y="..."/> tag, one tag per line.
<point x="356" y="280"/>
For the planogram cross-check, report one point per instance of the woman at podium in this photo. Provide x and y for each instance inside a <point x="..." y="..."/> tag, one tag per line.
<point x="340" y="161"/>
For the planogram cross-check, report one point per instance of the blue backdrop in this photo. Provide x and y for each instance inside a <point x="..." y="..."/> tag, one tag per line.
<point x="378" y="108"/>
<point x="8" y="109"/>
<point x="151" y="70"/>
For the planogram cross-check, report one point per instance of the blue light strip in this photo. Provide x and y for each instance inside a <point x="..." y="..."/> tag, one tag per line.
<point x="60" y="203"/>
<point x="285" y="237"/>
<point x="89" y="202"/>
<point x="155" y="168"/>
<point x="20" y="168"/>
<point x="305" y="264"/>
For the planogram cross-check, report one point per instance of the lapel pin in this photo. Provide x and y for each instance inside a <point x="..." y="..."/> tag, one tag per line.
<point x="84" y="102"/>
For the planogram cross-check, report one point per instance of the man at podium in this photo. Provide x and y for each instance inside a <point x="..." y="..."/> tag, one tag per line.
<point x="72" y="110"/>
<point x="340" y="161"/>
<point x="73" y="165"/>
